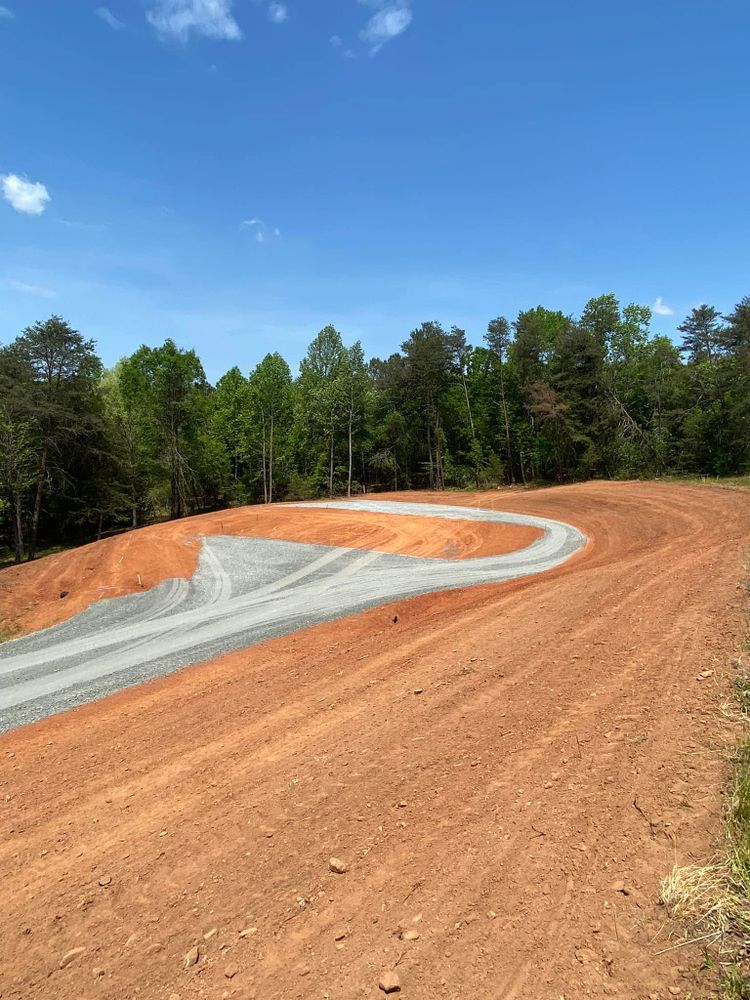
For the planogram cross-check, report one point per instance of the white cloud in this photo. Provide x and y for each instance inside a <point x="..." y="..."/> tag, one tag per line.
<point x="661" y="308"/>
<point x="336" y="41"/>
<point x="278" y="13"/>
<point x="109" y="18"/>
<point x="6" y="14"/>
<point x="26" y="289"/>
<point x="179" y="18"/>
<point x="93" y="227"/>
<point x="387" y="23"/>
<point x="25" y="196"/>
<point x="262" y="231"/>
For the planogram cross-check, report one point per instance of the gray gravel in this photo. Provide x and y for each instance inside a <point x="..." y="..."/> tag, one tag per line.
<point x="245" y="590"/>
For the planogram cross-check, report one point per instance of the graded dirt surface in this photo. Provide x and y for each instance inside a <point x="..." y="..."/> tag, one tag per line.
<point x="506" y="772"/>
<point x="125" y="564"/>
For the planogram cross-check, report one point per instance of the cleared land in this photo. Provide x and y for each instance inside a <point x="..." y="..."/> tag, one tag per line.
<point x="506" y="771"/>
<point x="246" y="590"/>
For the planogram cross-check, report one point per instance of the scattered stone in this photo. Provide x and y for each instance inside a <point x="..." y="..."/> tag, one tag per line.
<point x="154" y="948"/>
<point x="71" y="956"/>
<point x="248" y="932"/>
<point x="410" y="935"/>
<point x="402" y="805"/>
<point x="98" y="973"/>
<point x="337" y="866"/>
<point x="63" y="594"/>
<point x="418" y="690"/>
<point x="105" y="880"/>
<point x="231" y="971"/>
<point x="389" y="982"/>
<point x="210" y="933"/>
<point x="341" y="935"/>
<point x="304" y="970"/>
<point x="395" y="619"/>
<point x="675" y="991"/>
<point x="192" y="957"/>
<point x="620" y="887"/>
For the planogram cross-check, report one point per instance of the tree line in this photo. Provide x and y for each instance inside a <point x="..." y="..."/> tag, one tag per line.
<point x="548" y="397"/>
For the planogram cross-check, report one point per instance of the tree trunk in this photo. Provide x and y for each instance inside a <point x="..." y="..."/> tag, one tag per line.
<point x="270" y="463"/>
<point x="263" y="457"/>
<point x="429" y="452"/>
<point x="507" y="425"/>
<point x="17" y="529"/>
<point x="38" y="502"/>
<point x="471" y="424"/>
<point x="330" y="472"/>
<point x="349" y="478"/>
<point x="99" y="527"/>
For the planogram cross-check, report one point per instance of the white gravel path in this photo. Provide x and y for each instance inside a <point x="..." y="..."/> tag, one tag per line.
<point x="245" y="590"/>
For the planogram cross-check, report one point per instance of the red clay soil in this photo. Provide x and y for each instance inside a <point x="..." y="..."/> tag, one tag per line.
<point x="30" y="593"/>
<point x="506" y="774"/>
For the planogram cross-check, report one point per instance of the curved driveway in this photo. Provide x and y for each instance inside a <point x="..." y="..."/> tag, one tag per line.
<point x="244" y="591"/>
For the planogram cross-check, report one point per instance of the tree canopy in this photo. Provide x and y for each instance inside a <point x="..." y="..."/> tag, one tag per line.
<point x="547" y="397"/>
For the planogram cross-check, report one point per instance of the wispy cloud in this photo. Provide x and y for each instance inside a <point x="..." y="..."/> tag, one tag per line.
<point x="109" y="18"/>
<point x="336" y="41"/>
<point x="262" y="231"/>
<point x="661" y="308"/>
<point x="278" y="13"/>
<point x="29" y="197"/>
<point x="26" y="289"/>
<point x="180" y="18"/>
<point x="93" y="227"/>
<point x="6" y="14"/>
<point x="389" y="21"/>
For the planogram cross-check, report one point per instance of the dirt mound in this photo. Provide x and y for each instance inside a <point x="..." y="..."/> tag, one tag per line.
<point x="30" y="593"/>
<point x="504" y="775"/>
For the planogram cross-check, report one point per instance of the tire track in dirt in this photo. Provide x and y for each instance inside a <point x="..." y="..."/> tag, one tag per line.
<point x="547" y="705"/>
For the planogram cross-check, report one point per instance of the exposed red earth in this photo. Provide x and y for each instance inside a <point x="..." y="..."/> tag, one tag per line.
<point x="30" y="593"/>
<point x="504" y="774"/>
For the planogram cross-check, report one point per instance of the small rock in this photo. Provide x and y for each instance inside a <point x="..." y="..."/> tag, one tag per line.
<point x="98" y="973"/>
<point x="154" y="948"/>
<point x="675" y="991"/>
<point x="210" y="933"/>
<point x="231" y="971"/>
<point x="192" y="957"/>
<point x="337" y="866"/>
<point x="248" y="932"/>
<point x="105" y="880"/>
<point x="390" y="983"/>
<point x="304" y="970"/>
<point x="71" y="956"/>
<point x="395" y="619"/>
<point x="402" y="805"/>
<point x="620" y="887"/>
<point x="418" y="690"/>
<point x="410" y="935"/>
<point x="64" y="593"/>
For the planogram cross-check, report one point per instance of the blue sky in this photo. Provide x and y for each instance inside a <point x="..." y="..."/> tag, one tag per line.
<point x="236" y="174"/>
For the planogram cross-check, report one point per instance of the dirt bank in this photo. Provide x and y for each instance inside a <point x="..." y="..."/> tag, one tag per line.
<point x="506" y="773"/>
<point x="30" y="593"/>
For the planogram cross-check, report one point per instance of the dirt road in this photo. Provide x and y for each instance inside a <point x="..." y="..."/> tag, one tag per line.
<point x="505" y="772"/>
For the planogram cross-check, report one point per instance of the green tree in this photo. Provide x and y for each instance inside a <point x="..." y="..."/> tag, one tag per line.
<point x="702" y="334"/>
<point x="271" y="401"/>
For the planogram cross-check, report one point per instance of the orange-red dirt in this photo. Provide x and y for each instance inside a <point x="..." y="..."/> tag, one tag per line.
<point x="30" y="593"/>
<point x="506" y="772"/>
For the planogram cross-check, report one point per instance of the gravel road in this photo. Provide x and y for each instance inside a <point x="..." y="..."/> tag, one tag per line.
<point x="245" y="590"/>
